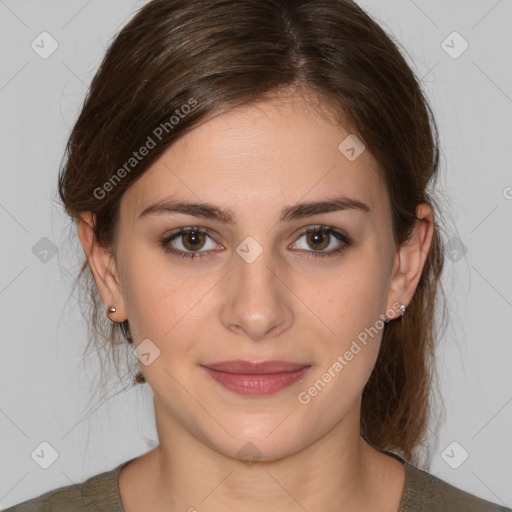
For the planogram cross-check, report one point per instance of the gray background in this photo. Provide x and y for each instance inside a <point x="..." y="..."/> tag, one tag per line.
<point x="45" y="387"/>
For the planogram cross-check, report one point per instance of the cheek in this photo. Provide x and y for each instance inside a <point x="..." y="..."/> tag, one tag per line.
<point x="350" y="295"/>
<point x="349" y="305"/>
<point x="150" y="294"/>
<point x="163" y="300"/>
<point x="347" y="355"/>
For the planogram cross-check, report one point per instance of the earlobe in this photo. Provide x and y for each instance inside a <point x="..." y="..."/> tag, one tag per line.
<point x="411" y="257"/>
<point x="102" y="266"/>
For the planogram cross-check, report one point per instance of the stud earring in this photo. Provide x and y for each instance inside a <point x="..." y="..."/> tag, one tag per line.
<point x="402" y="309"/>
<point x="111" y="309"/>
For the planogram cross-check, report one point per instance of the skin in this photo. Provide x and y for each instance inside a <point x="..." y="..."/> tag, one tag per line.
<point x="255" y="160"/>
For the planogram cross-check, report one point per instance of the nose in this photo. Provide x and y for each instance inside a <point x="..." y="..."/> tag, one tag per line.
<point x="257" y="301"/>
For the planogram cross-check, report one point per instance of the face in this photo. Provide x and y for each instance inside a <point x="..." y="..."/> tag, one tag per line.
<point x="277" y="282"/>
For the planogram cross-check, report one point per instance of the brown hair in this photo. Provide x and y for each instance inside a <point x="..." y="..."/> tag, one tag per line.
<point x="179" y="61"/>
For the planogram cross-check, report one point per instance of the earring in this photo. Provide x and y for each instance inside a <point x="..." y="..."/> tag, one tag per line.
<point x="111" y="309"/>
<point x="402" y="309"/>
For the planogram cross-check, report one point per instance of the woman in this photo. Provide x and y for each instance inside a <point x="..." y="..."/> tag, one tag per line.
<point x="250" y="182"/>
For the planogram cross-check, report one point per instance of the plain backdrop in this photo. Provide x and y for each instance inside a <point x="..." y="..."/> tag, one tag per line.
<point x="460" y="49"/>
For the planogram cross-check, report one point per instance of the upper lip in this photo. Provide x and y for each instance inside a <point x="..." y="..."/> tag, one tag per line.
<point x="255" y="368"/>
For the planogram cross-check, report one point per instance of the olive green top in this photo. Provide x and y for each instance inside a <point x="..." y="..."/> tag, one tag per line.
<point x="422" y="492"/>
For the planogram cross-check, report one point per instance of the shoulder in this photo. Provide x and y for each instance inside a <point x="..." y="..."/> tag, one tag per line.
<point x="427" y="493"/>
<point x="63" y="498"/>
<point x="99" y="492"/>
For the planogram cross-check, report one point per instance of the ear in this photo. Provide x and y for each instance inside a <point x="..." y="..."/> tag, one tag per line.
<point x="102" y="264"/>
<point x="410" y="259"/>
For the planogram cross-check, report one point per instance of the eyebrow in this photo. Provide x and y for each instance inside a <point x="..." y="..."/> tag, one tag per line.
<point x="227" y="216"/>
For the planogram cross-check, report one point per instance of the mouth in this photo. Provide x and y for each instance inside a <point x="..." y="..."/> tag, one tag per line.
<point x="256" y="378"/>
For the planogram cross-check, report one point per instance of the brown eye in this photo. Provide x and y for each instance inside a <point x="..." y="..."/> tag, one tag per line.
<point x="318" y="240"/>
<point x="189" y="242"/>
<point x="193" y="240"/>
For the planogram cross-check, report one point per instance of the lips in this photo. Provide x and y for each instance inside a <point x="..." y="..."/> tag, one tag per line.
<point x="251" y="378"/>
<point x="254" y="368"/>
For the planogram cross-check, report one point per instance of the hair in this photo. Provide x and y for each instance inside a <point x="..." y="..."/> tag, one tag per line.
<point x="177" y="63"/>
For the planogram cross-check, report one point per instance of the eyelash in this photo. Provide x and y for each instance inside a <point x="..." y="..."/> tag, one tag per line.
<point x="347" y="241"/>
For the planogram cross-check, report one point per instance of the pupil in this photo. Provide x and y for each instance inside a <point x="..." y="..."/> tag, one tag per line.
<point x="193" y="238"/>
<point x="318" y="237"/>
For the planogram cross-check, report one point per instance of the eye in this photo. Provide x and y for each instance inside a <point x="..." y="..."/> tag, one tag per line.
<point x="321" y="237"/>
<point x="190" y="238"/>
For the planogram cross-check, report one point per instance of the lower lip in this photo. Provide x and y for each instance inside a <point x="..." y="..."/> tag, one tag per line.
<point x="256" y="384"/>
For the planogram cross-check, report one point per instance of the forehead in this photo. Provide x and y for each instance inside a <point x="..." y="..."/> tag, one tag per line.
<point x="255" y="158"/>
